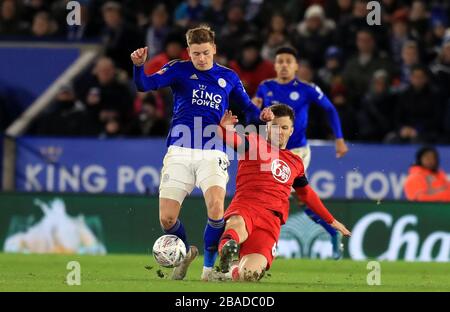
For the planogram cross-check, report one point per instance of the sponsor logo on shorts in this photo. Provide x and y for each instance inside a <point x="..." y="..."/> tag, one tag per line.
<point x="280" y="171"/>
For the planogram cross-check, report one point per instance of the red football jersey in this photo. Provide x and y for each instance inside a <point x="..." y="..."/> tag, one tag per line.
<point x="265" y="177"/>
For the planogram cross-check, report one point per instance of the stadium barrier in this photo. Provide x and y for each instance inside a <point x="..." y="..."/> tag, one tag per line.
<point x="132" y="166"/>
<point x="95" y="224"/>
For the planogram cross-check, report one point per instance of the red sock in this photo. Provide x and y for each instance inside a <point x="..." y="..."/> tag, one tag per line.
<point x="226" y="236"/>
<point x="235" y="273"/>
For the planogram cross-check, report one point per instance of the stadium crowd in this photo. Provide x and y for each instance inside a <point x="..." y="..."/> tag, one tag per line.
<point x="389" y="82"/>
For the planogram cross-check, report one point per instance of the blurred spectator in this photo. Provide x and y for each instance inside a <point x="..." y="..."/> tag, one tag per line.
<point x="339" y="10"/>
<point x="419" y="19"/>
<point x="441" y="69"/>
<point x="103" y="90"/>
<point x="348" y="27"/>
<point x="277" y="36"/>
<point x="43" y="26"/>
<point x="189" y="13"/>
<point x="426" y="182"/>
<point x="33" y="7"/>
<point x="174" y="48"/>
<point x="399" y="34"/>
<point x="216" y="15"/>
<point x="157" y="31"/>
<point x="148" y="123"/>
<point x="111" y="122"/>
<point x="347" y="114"/>
<point x="360" y="68"/>
<point x="314" y="34"/>
<point x="67" y="117"/>
<point x="410" y="58"/>
<point x="251" y="67"/>
<point x="232" y="32"/>
<point x="119" y="38"/>
<point x="417" y="111"/>
<point x="10" y="22"/>
<point x="375" y="117"/>
<point x="332" y="69"/>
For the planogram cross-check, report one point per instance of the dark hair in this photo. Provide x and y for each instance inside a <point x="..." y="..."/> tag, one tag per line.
<point x="282" y="110"/>
<point x="287" y="50"/>
<point x="199" y="35"/>
<point x="425" y="149"/>
<point x="421" y="68"/>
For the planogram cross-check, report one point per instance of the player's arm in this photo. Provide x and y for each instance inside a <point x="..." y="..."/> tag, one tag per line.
<point x="307" y="195"/>
<point x="163" y="78"/>
<point x="259" y="99"/>
<point x="333" y="118"/>
<point x="252" y="113"/>
<point x="229" y="135"/>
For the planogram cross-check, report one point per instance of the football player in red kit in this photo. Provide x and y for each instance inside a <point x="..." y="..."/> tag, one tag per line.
<point x="266" y="173"/>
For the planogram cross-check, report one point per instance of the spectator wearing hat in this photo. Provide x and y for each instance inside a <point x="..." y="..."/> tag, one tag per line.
<point x="314" y="34"/>
<point x="251" y="67"/>
<point x="426" y="182"/>
<point x="332" y="71"/>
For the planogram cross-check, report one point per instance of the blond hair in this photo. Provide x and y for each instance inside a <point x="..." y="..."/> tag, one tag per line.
<point x="199" y="35"/>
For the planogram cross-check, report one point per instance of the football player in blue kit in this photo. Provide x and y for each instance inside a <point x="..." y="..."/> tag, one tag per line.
<point x="201" y="90"/>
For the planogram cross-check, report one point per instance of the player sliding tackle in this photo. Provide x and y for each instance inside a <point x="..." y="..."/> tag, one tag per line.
<point x="201" y="90"/>
<point x="261" y="202"/>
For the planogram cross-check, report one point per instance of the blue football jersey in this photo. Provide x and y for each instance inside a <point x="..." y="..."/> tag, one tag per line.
<point x="200" y="100"/>
<point x="299" y="96"/>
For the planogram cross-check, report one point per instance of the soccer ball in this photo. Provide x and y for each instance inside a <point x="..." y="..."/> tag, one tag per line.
<point x="169" y="251"/>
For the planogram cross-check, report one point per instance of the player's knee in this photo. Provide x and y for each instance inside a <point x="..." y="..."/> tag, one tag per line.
<point x="215" y="208"/>
<point x="167" y="221"/>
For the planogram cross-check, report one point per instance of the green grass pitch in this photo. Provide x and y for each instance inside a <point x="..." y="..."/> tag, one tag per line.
<point x="129" y="273"/>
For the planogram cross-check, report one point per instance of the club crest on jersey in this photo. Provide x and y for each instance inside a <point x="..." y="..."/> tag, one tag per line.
<point x="222" y="82"/>
<point x="280" y="171"/>
<point x="294" y="96"/>
<point x="162" y="70"/>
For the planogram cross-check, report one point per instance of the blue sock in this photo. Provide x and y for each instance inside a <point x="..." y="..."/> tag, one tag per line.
<point x="319" y="220"/>
<point x="213" y="231"/>
<point x="178" y="230"/>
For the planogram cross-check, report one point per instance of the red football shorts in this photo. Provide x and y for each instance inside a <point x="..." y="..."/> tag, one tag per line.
<point x="263" y="228"/>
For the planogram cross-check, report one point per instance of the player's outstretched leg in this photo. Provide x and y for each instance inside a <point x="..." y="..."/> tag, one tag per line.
<point x="180" y="271"/>
<point x="228" y="252"/>
<point x="213" y="232"/>
<point x="336" y="237"/>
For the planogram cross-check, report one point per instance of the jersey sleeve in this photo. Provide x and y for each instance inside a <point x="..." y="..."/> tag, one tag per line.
<point x="261" y="93"/>
<point x="318" y="97"/>
<point x="239" y="95"/>
<point x="165" y="77"/>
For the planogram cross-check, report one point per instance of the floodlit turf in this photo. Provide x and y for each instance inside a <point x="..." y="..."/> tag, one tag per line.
<point x="128" y="273"/>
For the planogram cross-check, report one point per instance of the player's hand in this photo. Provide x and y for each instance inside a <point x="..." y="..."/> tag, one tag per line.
<point x="341" y="228"/>
<point x="257" y="101"/>
<point x="228" y="119"/>
<point x="139" y="56"/>
<point x="341" y="148"/>
<point x="266" y="115"/>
